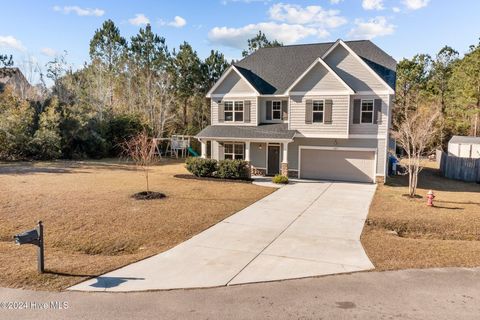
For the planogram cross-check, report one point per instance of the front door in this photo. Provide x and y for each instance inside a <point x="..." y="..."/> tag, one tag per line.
<point x="273" y="160"/>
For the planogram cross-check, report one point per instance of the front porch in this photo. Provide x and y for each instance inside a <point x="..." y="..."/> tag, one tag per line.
<point x="265" y="146"/>
<point x="266" y="158"/>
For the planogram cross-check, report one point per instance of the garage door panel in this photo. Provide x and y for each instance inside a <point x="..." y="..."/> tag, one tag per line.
<point x="344" y="165"/>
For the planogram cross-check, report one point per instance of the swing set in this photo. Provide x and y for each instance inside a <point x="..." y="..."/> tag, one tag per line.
<point x="177" y="146"/>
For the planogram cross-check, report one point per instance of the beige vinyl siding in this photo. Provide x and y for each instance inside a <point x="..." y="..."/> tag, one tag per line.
<point x="352" y="71"/>
<point x="381" y="156"/>
<point x="253" y="111"/>
<point x="367" y="128"/>
<point x="262" y="109"/>
<point x="215" y="150"/>
<point x="339" y="125"/>
<point x="233" y="84"/>
<point x="378" y="144"/>
<point x="319" y="79"/>
<point x="258" y="155"/>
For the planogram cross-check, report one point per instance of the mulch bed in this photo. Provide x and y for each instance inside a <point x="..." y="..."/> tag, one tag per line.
<point x="192" y="177"/>
<point x="148" y="195"/>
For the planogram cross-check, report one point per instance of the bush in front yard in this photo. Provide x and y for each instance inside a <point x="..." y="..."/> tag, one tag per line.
<point x="233" y="169"/>
<point x="201" y="167"/>
<point x="280" y="179"/>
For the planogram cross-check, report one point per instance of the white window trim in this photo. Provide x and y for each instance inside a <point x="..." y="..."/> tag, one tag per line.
<point x="233" y="111"/>
<point x="280" y="110"/>
<point x="233" y="148"/>
<point x="361" y="110"/>
<point x="323" y="111"/>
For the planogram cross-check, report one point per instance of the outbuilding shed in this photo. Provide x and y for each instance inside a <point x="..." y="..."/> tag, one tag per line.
<point x="464" y="147"/>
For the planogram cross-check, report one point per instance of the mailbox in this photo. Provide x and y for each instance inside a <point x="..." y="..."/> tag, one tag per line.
<point x="35" y="237"/>
<point x="27" y="237"/>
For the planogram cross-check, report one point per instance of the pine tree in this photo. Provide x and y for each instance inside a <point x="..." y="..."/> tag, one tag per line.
<point x="260" y="41"/>
<point x="186" y="74"/>
<point x="465" y="82"/>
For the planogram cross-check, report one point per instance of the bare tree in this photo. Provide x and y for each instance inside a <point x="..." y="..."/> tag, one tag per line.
<point x="141" y="149"/>
<point x="416" y="134"/>
<point x="164" y="105"/>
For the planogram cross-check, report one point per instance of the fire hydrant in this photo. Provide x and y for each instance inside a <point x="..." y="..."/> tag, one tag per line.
<point x="430" y="197"/>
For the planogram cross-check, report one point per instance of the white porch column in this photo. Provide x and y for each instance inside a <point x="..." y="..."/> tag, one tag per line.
<point x="247" y="151"/>
<point x="285" y="153"/>
<point x="284" y="169"/>
<point x="204" y="148"/>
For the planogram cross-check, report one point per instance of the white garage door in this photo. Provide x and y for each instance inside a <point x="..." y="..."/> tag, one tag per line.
<point x="344" y="165"/>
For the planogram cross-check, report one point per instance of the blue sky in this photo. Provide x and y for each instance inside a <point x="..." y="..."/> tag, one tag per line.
<point x="38" y="30"/>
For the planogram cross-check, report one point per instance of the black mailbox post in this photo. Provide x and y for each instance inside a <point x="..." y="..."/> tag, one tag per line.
<point x="35" y="237"/>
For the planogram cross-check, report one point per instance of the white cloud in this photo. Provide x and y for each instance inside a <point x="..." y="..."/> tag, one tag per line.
<point x="372" y="4"/>
<point x="372" y="28"/>
<point x="177" y="22"/>
<point x="415" y="4"/>
<point x="335" y="1"/>
<point x="309" y="15"/>
<point x="49" y="52"/>
<point x="286" y="33"/>
<point x="396" y="9"/>
<point x="139" y="19"/>
<point x="12" y="43"/>
<point x="80" y="11"/>
<point x="288" y="23"/>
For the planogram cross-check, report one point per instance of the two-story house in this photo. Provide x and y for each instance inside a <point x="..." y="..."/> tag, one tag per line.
<point x="314" y="111"/>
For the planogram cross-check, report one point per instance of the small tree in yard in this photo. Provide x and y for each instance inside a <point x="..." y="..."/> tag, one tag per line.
<point x="141" y="149"/>
<point x="416" y="133"/>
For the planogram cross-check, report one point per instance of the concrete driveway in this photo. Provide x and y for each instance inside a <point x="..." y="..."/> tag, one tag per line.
<point x="304" y="229"/>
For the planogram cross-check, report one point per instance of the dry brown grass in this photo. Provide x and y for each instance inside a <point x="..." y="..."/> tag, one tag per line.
<point x="92" y="225"/>
<point x="446" y="235"/>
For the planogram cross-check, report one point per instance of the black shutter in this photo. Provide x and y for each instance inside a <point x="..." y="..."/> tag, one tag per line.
<point x="284" y="110"/>
<point x="356" y="110"/>
<point x="308" y="111"/>
<point x="246" y="111"/>
<point x="269" y="111"/>
<point x="377" y="116"/>
<point x="221" y="112"/>
<point x="328" y="111"/>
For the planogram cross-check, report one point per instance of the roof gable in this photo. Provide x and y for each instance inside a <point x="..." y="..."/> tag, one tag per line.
<point x="320" y="77"/>
<point x="353" y="69"/>
<point x="273" y="70"/>
<point x="232" y="82"/>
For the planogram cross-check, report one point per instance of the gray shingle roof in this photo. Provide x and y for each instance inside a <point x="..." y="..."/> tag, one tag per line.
<point x="273" y="70"/>
<point x="262" y="131"/>
<point x="465" y="140"/>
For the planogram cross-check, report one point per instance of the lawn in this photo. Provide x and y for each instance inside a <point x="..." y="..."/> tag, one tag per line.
<point x="405" y="233"/>
<point x="92" y="225"/>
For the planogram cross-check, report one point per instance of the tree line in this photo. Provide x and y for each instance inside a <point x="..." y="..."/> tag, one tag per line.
<point x="137" y="84"/>
<point x="446" y="83"/>
<point x="126" y="87"/>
